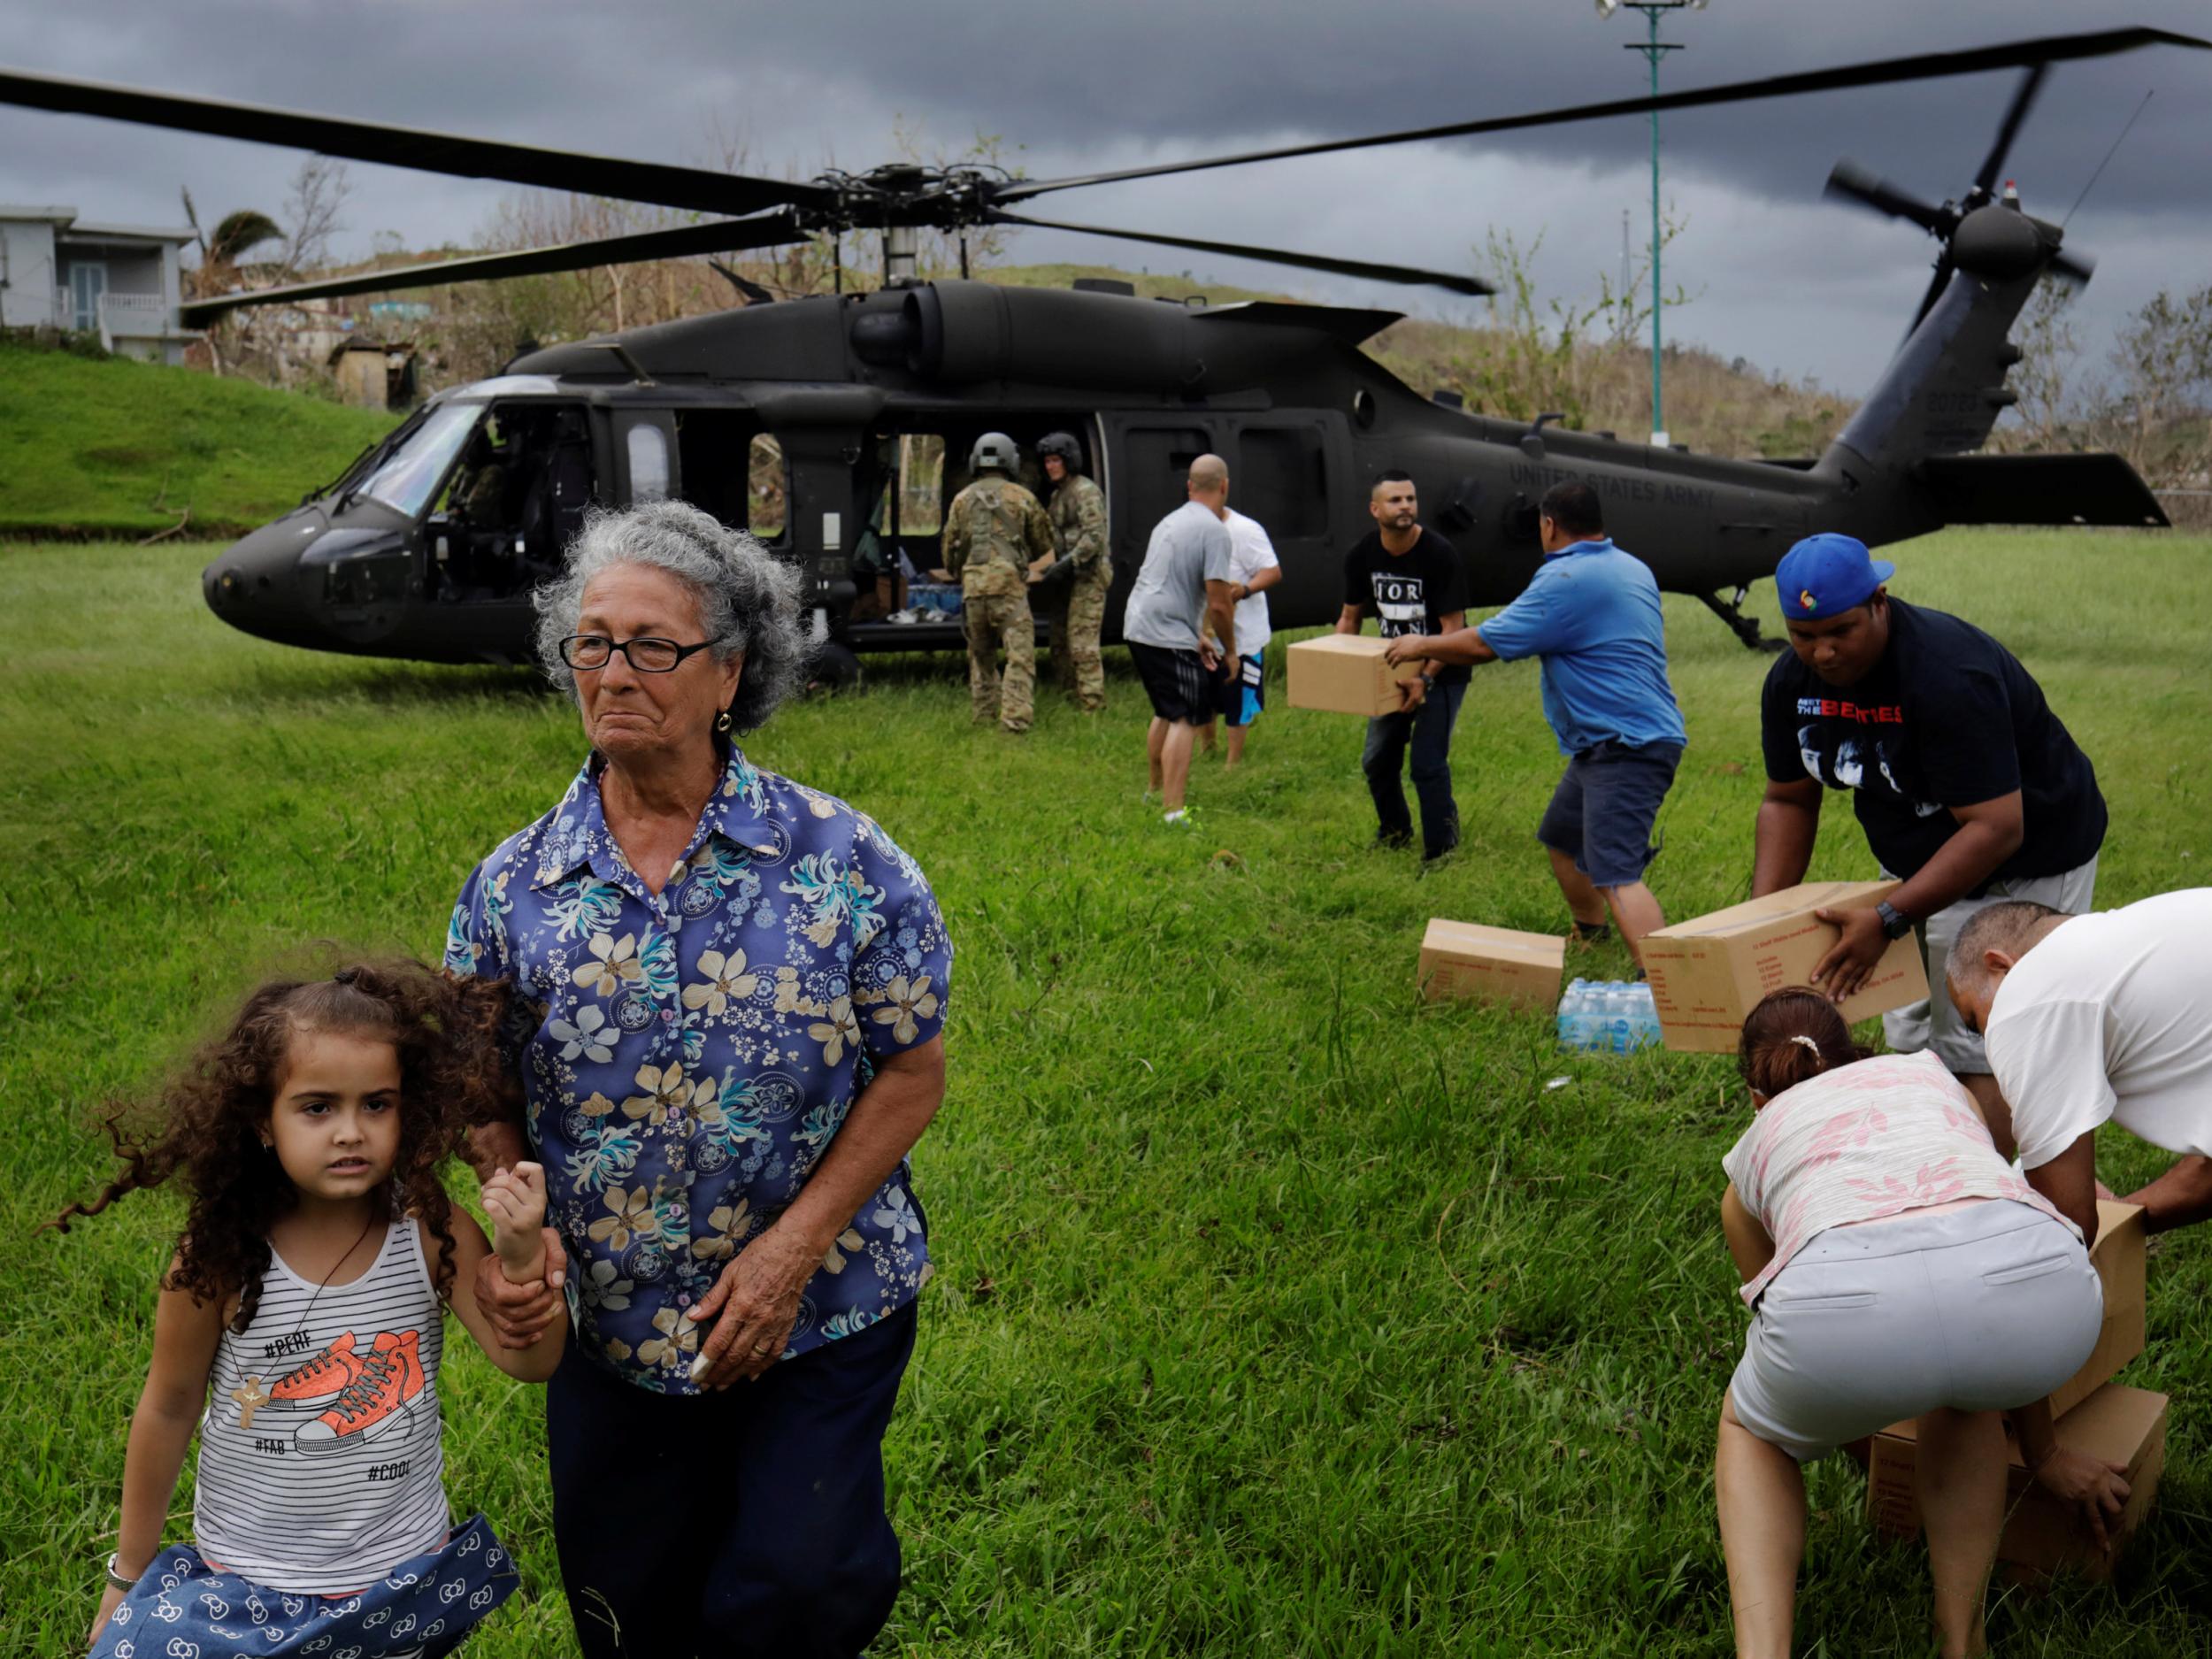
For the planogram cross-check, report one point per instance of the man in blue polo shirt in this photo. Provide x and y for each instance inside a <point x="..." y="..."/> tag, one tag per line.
<point x="1591" y="613"/>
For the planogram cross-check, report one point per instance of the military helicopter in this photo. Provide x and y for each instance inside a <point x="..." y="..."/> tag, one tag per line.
<point x="815" y="422"/>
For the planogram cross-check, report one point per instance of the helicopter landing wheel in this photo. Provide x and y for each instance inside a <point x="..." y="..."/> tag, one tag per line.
<point x="1730" y="611"/>
<point x="836" y="668"/>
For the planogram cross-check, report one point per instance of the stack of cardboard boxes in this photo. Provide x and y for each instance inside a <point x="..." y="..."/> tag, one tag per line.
<point x="2095" y="1415"/>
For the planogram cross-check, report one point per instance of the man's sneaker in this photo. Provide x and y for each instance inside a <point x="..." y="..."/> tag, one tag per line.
<point x="1182" y="817"/>
<point x="375" y="1402"/>
<point x="1392" y="840"/>
<point x="329" y="1373"/>
<point x="1591" y="932"/>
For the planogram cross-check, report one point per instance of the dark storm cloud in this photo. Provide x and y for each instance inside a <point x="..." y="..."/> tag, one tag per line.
<point x="1079" y="87"/>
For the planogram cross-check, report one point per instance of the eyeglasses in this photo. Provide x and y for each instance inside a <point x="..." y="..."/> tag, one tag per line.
<point x="646" y="656"/>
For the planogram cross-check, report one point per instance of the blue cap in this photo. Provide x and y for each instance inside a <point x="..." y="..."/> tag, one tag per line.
<point x="1827" y="574"/>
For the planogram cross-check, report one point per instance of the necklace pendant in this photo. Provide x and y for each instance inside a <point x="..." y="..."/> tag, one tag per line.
<point x="250" y="1398"/>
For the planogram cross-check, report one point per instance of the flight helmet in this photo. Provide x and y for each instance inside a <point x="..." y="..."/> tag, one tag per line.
<point x="994" y="448"/>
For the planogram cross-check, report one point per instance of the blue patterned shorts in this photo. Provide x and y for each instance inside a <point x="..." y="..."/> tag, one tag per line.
<point x="184" y="1608"/>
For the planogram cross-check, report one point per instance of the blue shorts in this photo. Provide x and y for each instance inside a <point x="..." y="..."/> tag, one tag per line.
<point x="1244" y="692"/>
<point x="1600" y="815"/>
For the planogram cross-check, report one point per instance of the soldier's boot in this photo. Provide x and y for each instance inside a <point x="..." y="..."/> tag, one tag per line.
<point x="983" y="696"/>
<point x="1018" y="701"/>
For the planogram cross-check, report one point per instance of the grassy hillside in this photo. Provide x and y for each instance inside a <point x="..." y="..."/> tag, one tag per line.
<point x="1275" y="1313"/>
<point x="111" y="447"/>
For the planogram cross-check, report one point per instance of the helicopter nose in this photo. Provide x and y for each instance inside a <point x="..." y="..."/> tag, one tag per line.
<point x="252" y="584"/>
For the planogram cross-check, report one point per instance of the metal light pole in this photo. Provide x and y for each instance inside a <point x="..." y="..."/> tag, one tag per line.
<point x="1653" y="49"/>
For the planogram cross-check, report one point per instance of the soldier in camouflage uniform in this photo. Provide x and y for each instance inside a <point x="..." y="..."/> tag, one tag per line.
<point x="1077" y="603"/>
<point x="997" y="540"/>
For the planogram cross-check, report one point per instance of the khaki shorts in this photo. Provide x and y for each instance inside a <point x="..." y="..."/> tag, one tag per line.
<point x="1934" y="1024"/>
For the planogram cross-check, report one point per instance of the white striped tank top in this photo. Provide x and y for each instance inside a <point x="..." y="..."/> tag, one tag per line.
<point x="320" y="1466"/>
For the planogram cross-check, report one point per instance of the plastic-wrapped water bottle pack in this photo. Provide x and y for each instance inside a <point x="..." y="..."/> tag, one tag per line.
<point x="1608" y="1016"/>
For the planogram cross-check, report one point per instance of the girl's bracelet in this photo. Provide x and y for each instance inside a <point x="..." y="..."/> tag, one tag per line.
<point x="115" y="1577"/>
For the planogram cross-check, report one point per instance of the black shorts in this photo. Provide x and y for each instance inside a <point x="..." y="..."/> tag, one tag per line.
<point x="1600" y="815"/>
<point x="1177" y="682"/>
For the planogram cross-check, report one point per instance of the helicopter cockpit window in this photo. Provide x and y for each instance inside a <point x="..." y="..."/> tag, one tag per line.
<point x="767" y="488"/>
<point x="407" y="478"/>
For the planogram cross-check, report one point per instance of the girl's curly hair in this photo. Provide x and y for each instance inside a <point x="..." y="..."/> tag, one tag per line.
<point x="447" y="1032"/>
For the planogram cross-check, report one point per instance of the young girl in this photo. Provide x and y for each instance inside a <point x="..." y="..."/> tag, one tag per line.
<point x="1896" y="1267"/>
<point x="299" y="1330"/>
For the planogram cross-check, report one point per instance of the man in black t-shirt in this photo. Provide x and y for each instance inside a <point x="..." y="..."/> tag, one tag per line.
<point x="1968" y="786"/>
<point x="1412" y="581"/>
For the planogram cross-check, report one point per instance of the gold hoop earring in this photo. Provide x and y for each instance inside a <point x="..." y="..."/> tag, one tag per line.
<point x="722" y="724"/>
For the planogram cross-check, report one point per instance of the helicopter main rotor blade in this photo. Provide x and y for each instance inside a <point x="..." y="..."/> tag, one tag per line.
<point x="1993" y="164"/>
<point x="1929" y="67"/>
<point x="724" y="236"/>
<point x="700" y="189"/>
<point x="1408" y="274"/>
<point x="1852" y="182"/>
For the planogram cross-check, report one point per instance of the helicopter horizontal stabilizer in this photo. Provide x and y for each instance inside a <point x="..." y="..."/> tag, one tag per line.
<point x="2069" y="489"/>
<point x="1351" y="324"/>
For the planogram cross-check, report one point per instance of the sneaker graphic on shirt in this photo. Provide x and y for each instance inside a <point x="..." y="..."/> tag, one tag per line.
<point x="328" y="1374"/>
<point x="377" y="1402"/>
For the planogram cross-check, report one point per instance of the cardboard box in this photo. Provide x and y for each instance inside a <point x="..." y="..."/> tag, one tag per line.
<point x="1707" y="974"/>
<point x="2117" y="1256"/>
<point x="1345" y="673"/>
<point x="2041" y="1537"/>
<point x="1491" y="964"/>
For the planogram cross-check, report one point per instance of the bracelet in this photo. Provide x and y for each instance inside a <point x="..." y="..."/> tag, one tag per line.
<point x="115" y="1577"/>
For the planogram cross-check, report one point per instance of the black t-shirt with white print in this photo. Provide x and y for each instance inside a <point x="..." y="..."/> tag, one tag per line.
<point x="1410" y="592"/>
<point x="1948" y="719"/>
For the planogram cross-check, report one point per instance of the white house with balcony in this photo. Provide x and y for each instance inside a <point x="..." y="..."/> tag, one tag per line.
<point x="119" y="281"/>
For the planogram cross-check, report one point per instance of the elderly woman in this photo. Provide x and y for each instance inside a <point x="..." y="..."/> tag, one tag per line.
<point x="741" y="984"/>
<point x="1896" y="1267"/>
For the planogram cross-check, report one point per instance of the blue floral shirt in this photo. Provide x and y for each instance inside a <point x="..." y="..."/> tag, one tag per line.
<point x="696" y="1052"/>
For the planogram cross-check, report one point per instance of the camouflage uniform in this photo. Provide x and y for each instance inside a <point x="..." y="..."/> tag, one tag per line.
<point x="1078" y="604"/>
<point x="993" y="531"/>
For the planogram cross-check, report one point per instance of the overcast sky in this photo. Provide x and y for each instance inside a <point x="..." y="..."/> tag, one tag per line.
<point x="1779" y="276"/>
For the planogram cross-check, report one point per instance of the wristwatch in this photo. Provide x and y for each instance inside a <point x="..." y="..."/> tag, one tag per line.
<point x="115" y="1577"/>
<point x="1895" y="924"/>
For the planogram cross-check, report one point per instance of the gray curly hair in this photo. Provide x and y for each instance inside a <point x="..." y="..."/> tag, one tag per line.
<point x="749" y="601"/>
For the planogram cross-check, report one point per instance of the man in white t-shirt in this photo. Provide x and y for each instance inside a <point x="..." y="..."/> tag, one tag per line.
<point x="1253" y="563"/>
<point x="2092" y="1017"/>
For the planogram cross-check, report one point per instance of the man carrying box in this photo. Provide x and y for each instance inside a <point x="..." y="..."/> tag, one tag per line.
<point x="2095" y="1018"/>
<point x="1412" y="580"/>
<point x="1591" y="613"/>
<point x="1968" y="786"/>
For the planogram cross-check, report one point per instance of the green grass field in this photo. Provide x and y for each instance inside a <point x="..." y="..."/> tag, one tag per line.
<point x="1276" y="1314"/>
<point x="235" y="453"/>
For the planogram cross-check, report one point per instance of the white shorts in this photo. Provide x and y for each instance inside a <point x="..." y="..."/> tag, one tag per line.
<point x="1933" y="1023"/>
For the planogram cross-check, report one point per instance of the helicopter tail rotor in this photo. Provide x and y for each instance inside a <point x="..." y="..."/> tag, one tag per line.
<point x="2008" y="245"/>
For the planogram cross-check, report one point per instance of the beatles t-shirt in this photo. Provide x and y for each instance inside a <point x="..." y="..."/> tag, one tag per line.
<point x="1410" y="592"/>
<point x="1949" y="717"/>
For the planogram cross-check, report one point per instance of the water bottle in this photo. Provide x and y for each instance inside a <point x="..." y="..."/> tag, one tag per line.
<point x="1574" y="1017"/>
<point x="1643" y="1018"/>
<point x="1616" y="1017"/>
